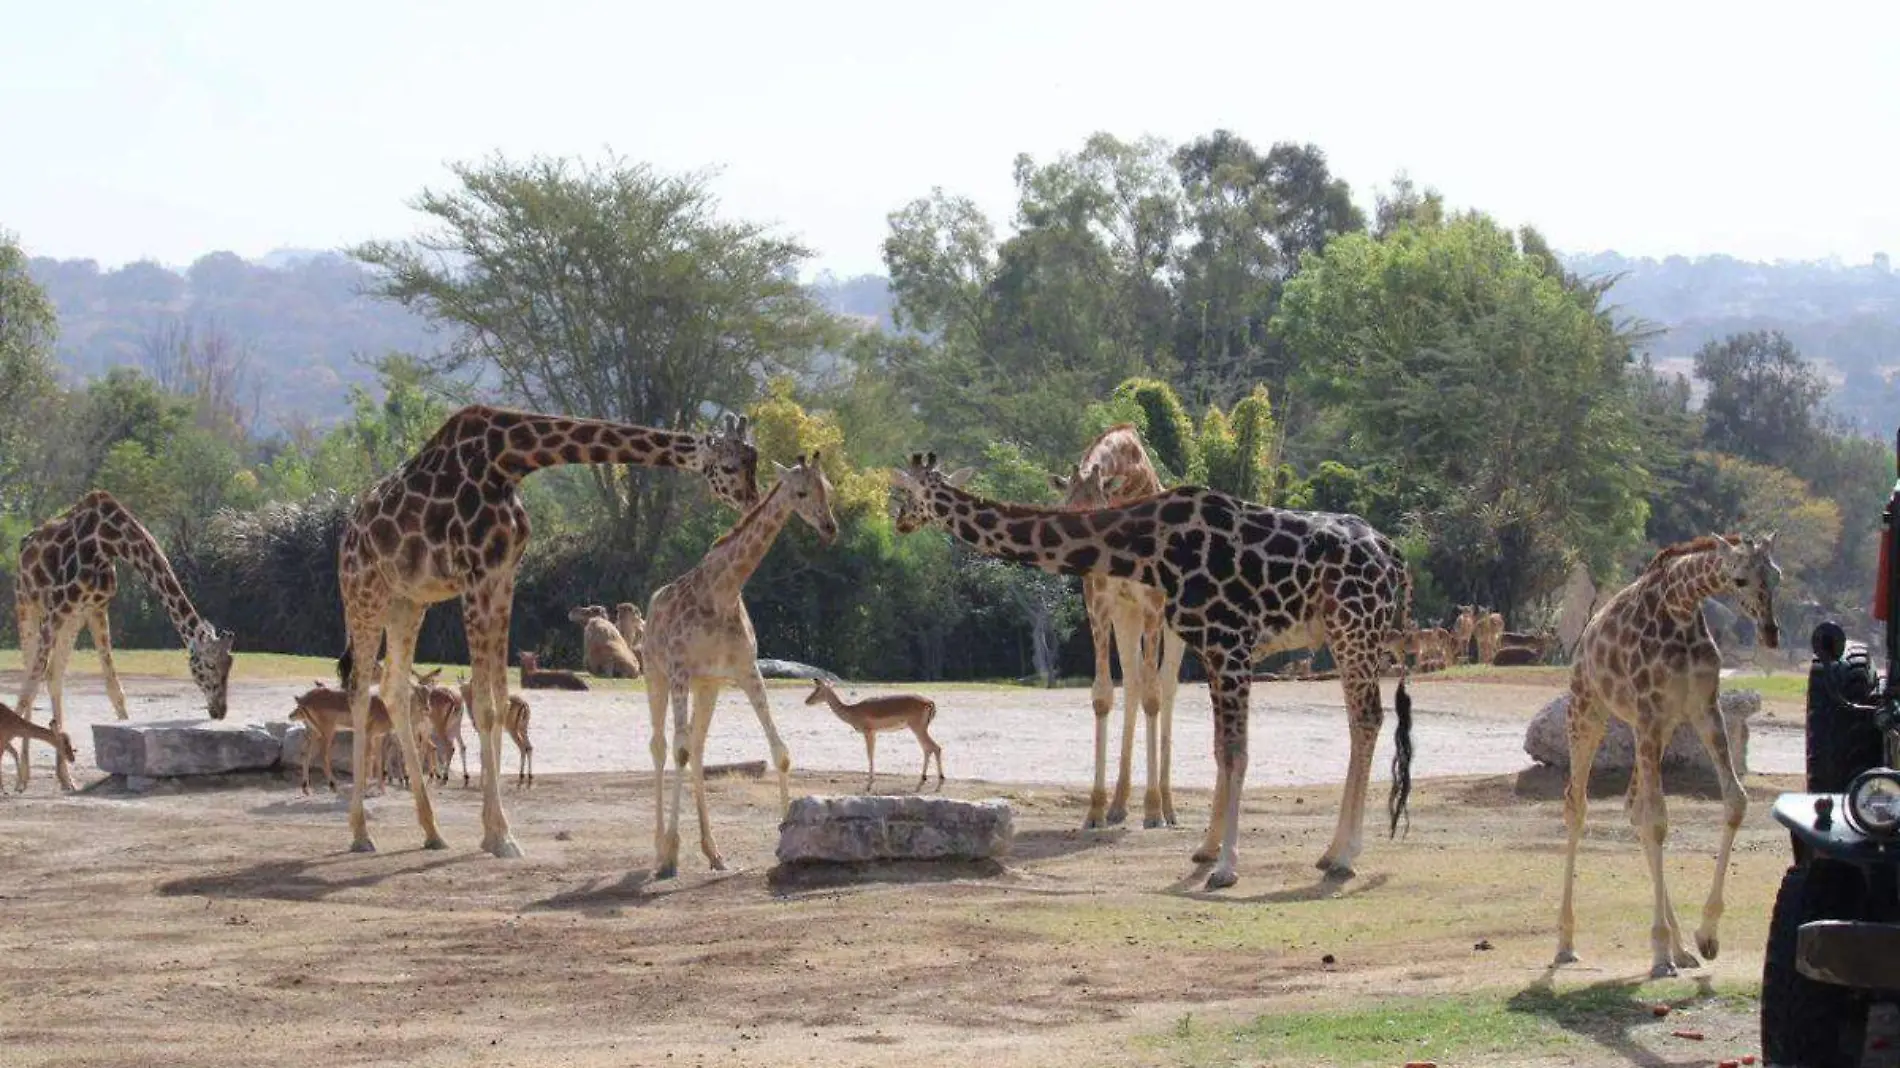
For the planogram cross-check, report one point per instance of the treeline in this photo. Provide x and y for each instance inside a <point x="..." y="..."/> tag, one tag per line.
<point x="1447" y="378"/>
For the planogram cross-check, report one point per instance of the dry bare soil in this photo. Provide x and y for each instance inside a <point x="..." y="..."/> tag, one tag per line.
<point x="229" y="926"/>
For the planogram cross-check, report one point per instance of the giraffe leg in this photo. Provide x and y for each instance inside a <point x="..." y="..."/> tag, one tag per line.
<point x="37" y="630"/>
<point x="56" y="696"/>
<point x="1102" y="699"/>
<point x="1128" y="654"/>
<point x="486" y="609"/>
<point x="1364" y="715"/>
<point x="1714" y="734"/>
<point x="404" y="625"/>
<point x="669" y="864"/>
<point x="365" y="636"/>
<point x="1232" y="688"/>
<point x="754" y="687"/>
<point x="1648" y="814"/>
<point x="1209" y="850"/>
<point x="101" y="628"/>
<point x="705" y="696"/>
<point x="658" y="693"/>
<point x="1587" y="722"/>
<point x="1150" y="660"/>
<point x="1170" y="680"/>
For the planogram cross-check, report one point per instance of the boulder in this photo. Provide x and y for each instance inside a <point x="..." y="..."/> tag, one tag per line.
<point x="852" y="828"/>
<point x="182" y="747"/>
<point x="792" y="669"/>
<point x="296" y="736"/>
<point x="1547" y="739"/>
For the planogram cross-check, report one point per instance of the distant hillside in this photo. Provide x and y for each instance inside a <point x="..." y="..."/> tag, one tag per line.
<point x="1847" y="318"/>
<point x="307" y="325"/>
<point x="311" y="331"/>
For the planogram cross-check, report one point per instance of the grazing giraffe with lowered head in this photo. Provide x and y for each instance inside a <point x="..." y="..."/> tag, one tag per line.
<point x="699" y="635"/>
<point x="449" y="522"/>
<point x="67" y="581"/>
<point x="1648" y="659"/>
<point x="1126" y="616"/>
<point x="1240" y="581"/>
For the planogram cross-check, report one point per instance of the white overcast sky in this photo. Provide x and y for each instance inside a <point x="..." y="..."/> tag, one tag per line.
<point x="171" y="129"/>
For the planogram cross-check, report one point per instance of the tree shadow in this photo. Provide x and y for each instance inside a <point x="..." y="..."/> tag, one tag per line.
<point x="1605" y="1012"/>
<point x="300" y="880"/>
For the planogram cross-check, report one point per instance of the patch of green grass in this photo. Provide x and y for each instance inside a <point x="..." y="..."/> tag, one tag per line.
<point x="1448" y="1030"/>
<point x="1784" y="686"/>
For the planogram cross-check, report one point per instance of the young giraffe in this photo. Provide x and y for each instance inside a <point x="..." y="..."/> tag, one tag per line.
<point x="1648" y="659"/>
<point x="1115" y="470"/>
<point x="1240" y="581"/>
<point x="449" y="522"/>
<point x="67" y="581"/>
<point x="699" y="635"/>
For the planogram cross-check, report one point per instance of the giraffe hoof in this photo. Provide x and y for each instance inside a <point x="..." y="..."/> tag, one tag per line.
<point x="1566" y="956"/>
<point x="1663" y="971"/>
<point x="1205" y="856"/>
<point x="1685" y="959"/>
<point x="1094" y="823"/>
<point x="1336" y="873"/>
<point x="362" y="845"/>
<point x="1116" y="816"/>
<point x="1151" y="822"/>
<point x="1221" y="879"/>
<point x="435" y="841"/>
<point x="506" y="849"/>
<point x="1708" y="946"/>
<point x="717" y="863"/>
<point x="666" y="871"/>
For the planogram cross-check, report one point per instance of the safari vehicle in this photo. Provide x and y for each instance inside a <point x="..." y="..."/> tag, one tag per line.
<point x="1834" y="939"/>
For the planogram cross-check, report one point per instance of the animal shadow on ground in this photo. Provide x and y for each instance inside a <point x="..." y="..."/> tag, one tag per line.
<point x="789" y="880"/>
<point x="1544" y="782"/>
<point x="1050" y="844"/>
<point x="603" y="896"/>
<point x="298" y="880"/>
<point x="1605" y="1012"/>
<point x="1323" y="888"/>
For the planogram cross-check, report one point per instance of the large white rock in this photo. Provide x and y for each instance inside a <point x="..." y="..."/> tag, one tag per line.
<point x="182" y="747"/>
<point x="296" y="736"/>
<point x="1547" y="739"/>
<point x="853" y="828"/>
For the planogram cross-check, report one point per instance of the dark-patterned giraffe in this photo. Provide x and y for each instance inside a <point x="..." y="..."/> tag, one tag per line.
<point x="449" y="523"/>
<point x="1647" y="658"/>
<point x="1241" y="581"/>
<point x="67" y="581"/>
<point x="1126" y="617"/>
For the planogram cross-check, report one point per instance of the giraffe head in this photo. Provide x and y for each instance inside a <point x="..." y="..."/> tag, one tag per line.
<point x="730" y="462"/>
<point x="210" y="657"/>
<point x="1751" y="572"/>
<point x="811" y="495"/>
<point x="916" y="486"/>
<point x="1085" y="491"/>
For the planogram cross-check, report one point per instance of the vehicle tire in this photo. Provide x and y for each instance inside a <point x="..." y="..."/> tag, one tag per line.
<point x="1805" y="1022"/>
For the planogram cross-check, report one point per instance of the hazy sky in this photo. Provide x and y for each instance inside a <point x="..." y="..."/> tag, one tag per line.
<point x="175" y="128"/>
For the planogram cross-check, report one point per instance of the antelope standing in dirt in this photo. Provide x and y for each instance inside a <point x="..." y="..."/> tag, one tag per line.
<point x="874" y="714"/>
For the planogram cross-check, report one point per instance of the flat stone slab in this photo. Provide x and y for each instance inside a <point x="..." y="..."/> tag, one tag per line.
<point x="1547" y="740"/>
<point x="296" y="736"/>
<point x="183" y="747"/>
<point x="846" y="829"/>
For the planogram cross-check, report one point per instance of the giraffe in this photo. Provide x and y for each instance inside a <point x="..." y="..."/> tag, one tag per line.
<point x="449" y="522"/>
<point x="1114" y="470"/>
<point x="1648" y="659"/>
<point x="1488" y="629"/>
<point x="699" y="635"/>
<point x="66" y="582"/>
<point x="1240" y="581"/>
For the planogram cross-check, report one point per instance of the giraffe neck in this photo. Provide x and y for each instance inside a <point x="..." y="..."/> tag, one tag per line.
<point x="1687" y="580"/>
<point x="1044" y="538"/>
<point x="139" y="549"/>
<point x="523" y="442"/>
<point x="736" y="555"/>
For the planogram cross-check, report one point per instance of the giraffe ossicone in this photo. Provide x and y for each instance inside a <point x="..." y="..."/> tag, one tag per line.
<point x="1240" y="581"/>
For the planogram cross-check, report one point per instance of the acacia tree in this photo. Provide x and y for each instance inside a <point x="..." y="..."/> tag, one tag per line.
<point x="609" y="290"/>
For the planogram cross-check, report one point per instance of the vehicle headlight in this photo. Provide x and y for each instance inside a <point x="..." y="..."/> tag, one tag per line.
<point x="1873" y="801"/>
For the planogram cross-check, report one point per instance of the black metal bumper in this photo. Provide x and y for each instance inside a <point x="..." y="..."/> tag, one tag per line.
<point x="1850" y="953"/>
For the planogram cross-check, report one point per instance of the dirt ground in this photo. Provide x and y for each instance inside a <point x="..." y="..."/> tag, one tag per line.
<point x="229" y="925"/>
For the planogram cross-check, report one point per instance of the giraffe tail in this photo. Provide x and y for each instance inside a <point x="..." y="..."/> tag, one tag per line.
<point x="1401" y="761"/>
<point x="346" y="666"/>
